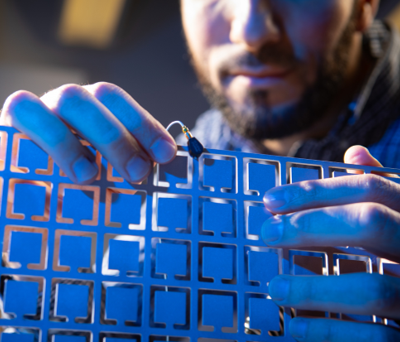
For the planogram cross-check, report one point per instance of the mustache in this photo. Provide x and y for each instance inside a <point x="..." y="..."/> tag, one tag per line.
<point x="266" y="55"/>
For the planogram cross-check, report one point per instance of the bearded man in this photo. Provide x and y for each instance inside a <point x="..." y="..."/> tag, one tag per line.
<point x="304" y="78"/>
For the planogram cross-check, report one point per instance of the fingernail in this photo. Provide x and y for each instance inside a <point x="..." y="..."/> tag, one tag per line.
<point x="163" y="150"/>
<point x="84" y="169"/>
<point x="137" y="168"/>
<point x="272" y="229"/>
<point x="275" y="198"/>
<point x="298" y="328"/>
<point x="279" y="288"/>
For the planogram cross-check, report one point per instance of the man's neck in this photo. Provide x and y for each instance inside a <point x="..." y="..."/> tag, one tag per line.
<point x="359" y="69"/>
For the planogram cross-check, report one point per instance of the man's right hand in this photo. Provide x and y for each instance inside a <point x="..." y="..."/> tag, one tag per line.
<point x="102" y="114"/>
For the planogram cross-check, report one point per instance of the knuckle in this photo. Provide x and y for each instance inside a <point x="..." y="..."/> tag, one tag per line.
<point x="71" y="90"/>
<point x="102" y="89"/>
<point x="16" y="99"/>
<point x="312" y="288"/>
<point x="302" y="191"/>
<point x="330" y="331"/>
<point x="301" y="222"/>
<point x="123" y="106"/>
<point x="73" y="102"/>
<point x="372" y="181"/>
<point x="66" y="98"/>
<point x="310" y="191"/>
<point x="375" y="221"/>
<point x="374" y="285"/>
<point x="374" y="184"/>
<point x="308" y="290"/>
<point x="310" y="188"/>
<point x="372" y="214"/>
<point x="380" y="292"/>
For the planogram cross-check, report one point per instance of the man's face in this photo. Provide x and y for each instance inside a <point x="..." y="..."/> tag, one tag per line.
<point x="271" y="66"/>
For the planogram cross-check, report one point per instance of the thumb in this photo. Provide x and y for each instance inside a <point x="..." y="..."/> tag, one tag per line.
<point x="359" y="155"/>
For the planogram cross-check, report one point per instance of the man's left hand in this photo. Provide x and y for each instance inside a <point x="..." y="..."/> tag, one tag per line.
<point x="359" y="211"/>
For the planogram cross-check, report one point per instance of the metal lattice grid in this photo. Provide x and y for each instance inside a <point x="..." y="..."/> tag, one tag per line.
<point x="177" y="258"/>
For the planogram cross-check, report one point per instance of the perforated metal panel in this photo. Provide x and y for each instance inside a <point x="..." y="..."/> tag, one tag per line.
<point x="177" y="258"/>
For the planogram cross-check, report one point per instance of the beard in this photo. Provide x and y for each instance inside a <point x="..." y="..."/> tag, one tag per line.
<point x="256" y="120"/>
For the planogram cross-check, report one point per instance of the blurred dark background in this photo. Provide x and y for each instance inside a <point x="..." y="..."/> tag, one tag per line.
<point x="136" y="44"/>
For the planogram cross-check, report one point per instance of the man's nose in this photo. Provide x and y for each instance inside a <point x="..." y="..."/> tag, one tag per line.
<point x="253" y="25"/>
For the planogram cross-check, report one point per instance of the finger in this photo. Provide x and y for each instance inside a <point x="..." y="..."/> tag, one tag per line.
<point x="319" y="329"/>
<point x="359" y="155"/>
<point x="357" y="293"/>
<point x="151" y="135"/>
<point x="27" y="113"/>
<point x="333" y="191"/>
<point x="366" y="225"/>
<point x="96" y="124"/>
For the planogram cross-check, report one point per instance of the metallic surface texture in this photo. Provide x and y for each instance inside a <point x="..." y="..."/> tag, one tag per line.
<point x="177" y="258"/>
